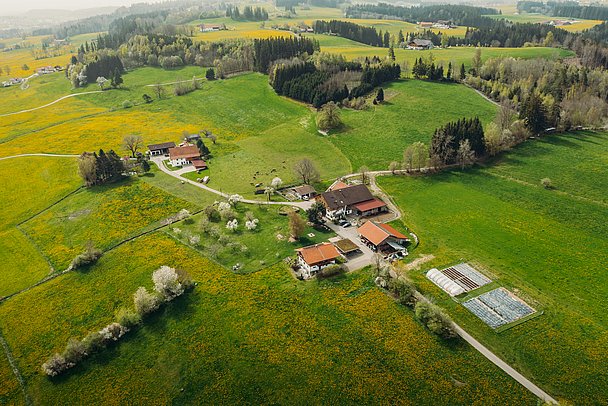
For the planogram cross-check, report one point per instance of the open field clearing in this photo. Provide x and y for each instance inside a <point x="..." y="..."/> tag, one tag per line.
<point x="579" y="25"/>
<point x="16" y="58"/>
<point x="378" y="136"/>
<point x="260" y="338"/>
<point x="550" y="247"/>
<point x="105" y="215"/>
<point x="10" y="392"/>
<point x="28" y="186"/>
<point x="457" y="55"/>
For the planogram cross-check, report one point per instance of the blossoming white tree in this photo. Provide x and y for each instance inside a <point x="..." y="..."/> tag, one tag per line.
<point x="232" y="225"/>
<point x="276" y="183"/>
<point x="166" y="282"/>
<point x="251" y="224"/>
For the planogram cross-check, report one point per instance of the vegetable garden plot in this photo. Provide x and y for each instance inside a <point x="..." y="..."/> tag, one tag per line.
<point x="498" y="307"/>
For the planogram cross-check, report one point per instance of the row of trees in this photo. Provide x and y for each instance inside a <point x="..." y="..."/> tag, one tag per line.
<point x="249" y="13"/>
<point x="564" y="9"/>
<point x="468" y="16"/>
<point x="169" y="284"/>
<point x="352" y="31"/>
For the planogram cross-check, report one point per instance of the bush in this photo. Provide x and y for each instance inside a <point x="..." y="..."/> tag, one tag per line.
<point x="145" y="302"/>
<point x="212" y="214"/>
<point x="112" y="332"/>
<point x="546" y="182"/>
<point x="435" y="320"/>
<point x="127" y="104"/>
<point x="56" y="365"/>
<point x="166" y="282"/>
<point x="329" y="271"/>
<point x="128" y="317"/>
<point x="93" y="342"/>
<point x="184" y="278"/>
<point x="404" y="289"/>
<point x="75" y="351"/>
<point x="88" y="257"/>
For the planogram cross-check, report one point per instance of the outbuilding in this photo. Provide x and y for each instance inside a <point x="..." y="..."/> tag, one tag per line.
<point x="160" y="149"/>
<point x="316" y="257"/>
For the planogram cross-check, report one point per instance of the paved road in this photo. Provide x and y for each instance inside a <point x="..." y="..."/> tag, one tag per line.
<point x="304" y="205"/>
<point x="49" y="104"/>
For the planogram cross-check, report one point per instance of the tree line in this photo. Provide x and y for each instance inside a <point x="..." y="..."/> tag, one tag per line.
<point x="564" y="9"/>
<point x="249" y="13"/>
<point x="458" y="141"/>
<point x="302" y="80"/>
<point x="352" y="31"/>
<point x="268" y="50"/>
<point x="468" y="16"/>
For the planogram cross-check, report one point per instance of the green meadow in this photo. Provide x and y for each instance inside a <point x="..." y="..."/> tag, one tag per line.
<point x="241" y="339"/>
<point x="548" y="246"/>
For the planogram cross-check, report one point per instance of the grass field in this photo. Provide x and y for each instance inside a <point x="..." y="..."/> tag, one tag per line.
<point x="28" y="186"/>
<point x="456" y="55"/>
<point x="261" y="338"/>
<point x="549" y="246"/>
<point x="579" y="25"/>
<point x="378" y="136"/>
<point x="104" y="215"/>
<point x="16" y="58"/>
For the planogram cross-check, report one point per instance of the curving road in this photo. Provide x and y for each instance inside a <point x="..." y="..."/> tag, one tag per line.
<point x="41" y="154"/>
<point x="49" y="104"/>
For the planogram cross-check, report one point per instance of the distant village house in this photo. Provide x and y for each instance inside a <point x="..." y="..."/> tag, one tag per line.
<point x="420" y="44"/>
<point x="211" y="27"/>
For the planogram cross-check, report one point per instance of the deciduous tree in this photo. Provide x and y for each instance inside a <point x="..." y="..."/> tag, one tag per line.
<point x="306" y="171"/>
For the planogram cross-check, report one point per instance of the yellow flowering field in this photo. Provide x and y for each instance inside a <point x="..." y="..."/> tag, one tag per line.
<point x="258" y="338"/>
<point x="105" y="215"/>
<point x="10" y="392"/>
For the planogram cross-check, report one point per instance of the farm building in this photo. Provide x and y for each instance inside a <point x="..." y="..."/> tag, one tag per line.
<point x="342" y="199"/>
<point x="192" y="138"/>
<point x="382" y="238"/>
<point x="199" y="164"/>
<point x="425" y="24"/>
<point x="420" y="44"/>
<point x="180" y="156"/>
<point x="160" y="149"/>
<point x="346" y="246"/>
<point x="211" y="27"/>
<point x="316" y="257"/>
<point x="304" y="192"/>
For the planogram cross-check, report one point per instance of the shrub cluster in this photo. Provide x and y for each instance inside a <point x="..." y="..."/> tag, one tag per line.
<point x="168" y="284"/>
<point x="88" y="257"/>
<point x="329" y="271"/>
<point x="435" y="320"/>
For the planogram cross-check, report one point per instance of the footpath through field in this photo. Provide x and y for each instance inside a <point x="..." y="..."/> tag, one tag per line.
<point x="49" y="104"/>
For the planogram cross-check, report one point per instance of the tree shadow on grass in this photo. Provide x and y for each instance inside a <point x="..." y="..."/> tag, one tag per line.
<point x="180" y="309"/>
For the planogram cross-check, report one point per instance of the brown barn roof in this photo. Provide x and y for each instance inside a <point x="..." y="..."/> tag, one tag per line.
<point x="347" y="196"/>
<point x="377" y="233"/>
<point x="316" y="254"/>
<point x="304" y="189"/>
<point x="189" y="151"/>
<point x="370" y="205"/>
<point x="199" y="164"/>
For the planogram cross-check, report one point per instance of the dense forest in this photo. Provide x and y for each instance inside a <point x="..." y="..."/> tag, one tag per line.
<point x="568" y="9"/>
<point x="326" y="78"/>
<point x="269" y="50"/>
<point x="458" y="141"/>
<point x="468" y="16"/>
<point x="352" y="31"/>
<point x="248" y="14"/>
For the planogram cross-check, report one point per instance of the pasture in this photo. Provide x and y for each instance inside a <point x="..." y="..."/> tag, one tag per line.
<point x="258" y="338"/>
<point x="577" y="26"/>
<point x="29" y="185"/>
<point x="547" y="246"/>
<point x="411" y="112"/>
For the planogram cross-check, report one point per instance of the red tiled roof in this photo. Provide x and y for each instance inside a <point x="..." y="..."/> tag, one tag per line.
<point x="370" y="205"/>
<point x="377" y="233"/>
<point x="318" y="253"/>
<point x="337" y="186"/>
<point x="189" y="151"/>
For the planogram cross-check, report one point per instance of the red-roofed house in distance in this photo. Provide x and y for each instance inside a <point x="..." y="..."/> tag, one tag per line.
<point x="316" y="257"/>
<point x="199" y="165"/>
<point x="384" y="239"/>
